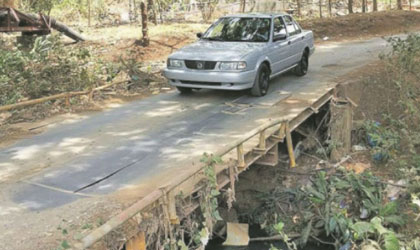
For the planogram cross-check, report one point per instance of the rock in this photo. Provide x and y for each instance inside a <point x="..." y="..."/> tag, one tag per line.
<point x="325" y="38"/>
<point x="356" y="148"/>
<point x="364" y="213"/>
<point x="394" y="192"/>
<point x="4" y="116"/>
<point x="156" y="92"/>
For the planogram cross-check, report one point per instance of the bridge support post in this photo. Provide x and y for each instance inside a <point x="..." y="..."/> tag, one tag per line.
<point x="173" y="217"/>
<point x="261" y="145"/>
<point x="340" y="128"/>
<point x="290" y="145"/>
<point x="241" y="156"/>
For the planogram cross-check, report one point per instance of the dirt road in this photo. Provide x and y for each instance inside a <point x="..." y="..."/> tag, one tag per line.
<point x="71" y="171"/>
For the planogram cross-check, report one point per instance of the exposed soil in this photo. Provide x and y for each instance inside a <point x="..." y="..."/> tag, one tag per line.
<point x="362" y="26"/>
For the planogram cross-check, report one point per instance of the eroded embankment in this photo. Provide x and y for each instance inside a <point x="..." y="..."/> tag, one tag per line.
<point x="369" y="200"/>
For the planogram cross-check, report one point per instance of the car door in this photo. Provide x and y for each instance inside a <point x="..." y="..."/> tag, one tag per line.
<point x="295" y="41"/>
<point x="279" y="52"/>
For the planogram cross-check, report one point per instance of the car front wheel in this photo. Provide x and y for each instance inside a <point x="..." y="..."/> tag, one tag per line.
<point x="184" y="90"/>
<point x="302" y="68"/>
<point x="261" y="82"/>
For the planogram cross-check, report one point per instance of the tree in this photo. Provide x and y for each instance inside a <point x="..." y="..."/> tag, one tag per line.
<point x="145" y="31"/>
<point x="399" y="4"/>
<point x="320" y="8"/>
<point x="329" y="7"/>
<point x="8" y="3"/>
<point x="207" y="8"/>
<point x="350" y="6"/>
<point x="152" y="9"/>
<point x="242" y="6"/>
<point x="375" y="5"/>
<point x="299" y="7"/>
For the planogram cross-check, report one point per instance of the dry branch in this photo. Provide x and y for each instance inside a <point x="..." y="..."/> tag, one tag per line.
<point x="55" y="97"/>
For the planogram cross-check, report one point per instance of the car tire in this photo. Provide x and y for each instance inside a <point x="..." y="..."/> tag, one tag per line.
<point x="302" y="68"/>
<point x="262" y="81"/>
<point x="184" y="90"/>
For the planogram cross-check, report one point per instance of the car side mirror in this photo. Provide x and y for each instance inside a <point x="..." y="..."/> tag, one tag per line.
<point x="199" y="35"/>
<point x="279" y="37"/>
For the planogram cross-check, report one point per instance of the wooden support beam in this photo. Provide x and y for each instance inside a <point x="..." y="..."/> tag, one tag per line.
<point x="290" y="146"/>
<point x="241" y="155"/>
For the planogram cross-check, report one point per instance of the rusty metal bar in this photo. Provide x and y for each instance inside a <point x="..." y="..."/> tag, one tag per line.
<point x="13" y="12"/>
<point x="241" y="155"/>
<point x="138" y="242"/>
<point x="173" y="217"/>
<point x="290" y="146"/>
<point x="261" y="144"/>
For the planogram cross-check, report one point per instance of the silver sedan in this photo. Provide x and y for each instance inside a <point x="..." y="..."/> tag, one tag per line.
<point x="241" y="52"/>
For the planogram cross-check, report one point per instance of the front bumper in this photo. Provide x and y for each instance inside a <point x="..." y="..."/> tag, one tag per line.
<point x="210" y="79"/>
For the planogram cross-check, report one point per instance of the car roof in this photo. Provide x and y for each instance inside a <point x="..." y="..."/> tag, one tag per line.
<point x="266" y="15"/>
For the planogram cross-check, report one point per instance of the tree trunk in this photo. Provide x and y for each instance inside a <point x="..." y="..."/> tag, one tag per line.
<point x="160" y="11"/>
<point x="242" y="6"/>
<point x="151" y="6"/>
<point x="410" y="4"/>
<point x="350" y="6"/>
<point x="375" y="5"/>
<point x="145" y="40"/>
<point x="299" y="3"/>
<point x="320" y="8"/>
<point x="364" y="6"/>
<point x="89" y="13"/>
<point x="399" y="4"/>
<point x="329" y="7"/>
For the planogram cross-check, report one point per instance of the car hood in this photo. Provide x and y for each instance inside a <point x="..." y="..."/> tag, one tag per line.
<point x="216" y="51"/>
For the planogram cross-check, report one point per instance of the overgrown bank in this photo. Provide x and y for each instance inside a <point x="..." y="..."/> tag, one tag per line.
<point x="370" y="201"/>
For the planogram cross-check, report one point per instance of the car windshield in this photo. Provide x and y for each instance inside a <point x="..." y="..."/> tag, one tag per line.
<point x="239" y="29"/>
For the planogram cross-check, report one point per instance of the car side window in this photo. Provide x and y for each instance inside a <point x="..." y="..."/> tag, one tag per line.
<point x="279" y="27"/>
<point x="290" y="26"/>
<point x="298" y="30"/>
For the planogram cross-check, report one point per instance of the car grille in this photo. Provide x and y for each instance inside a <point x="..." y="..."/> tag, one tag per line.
<point x="192" y="64"/>
<point x="202" y="83"/>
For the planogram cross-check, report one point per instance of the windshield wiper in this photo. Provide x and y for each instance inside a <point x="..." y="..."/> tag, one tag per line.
<point x="213" y="38"/>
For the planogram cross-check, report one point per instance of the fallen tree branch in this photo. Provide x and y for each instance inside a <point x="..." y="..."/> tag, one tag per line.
<point x="55" y="97"/>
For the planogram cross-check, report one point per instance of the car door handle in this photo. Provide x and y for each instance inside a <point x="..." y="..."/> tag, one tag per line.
<point x="289" y="42"/>
<point x="303" y="37"/>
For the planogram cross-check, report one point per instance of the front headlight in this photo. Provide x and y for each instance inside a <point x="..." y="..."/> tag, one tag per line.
<point x="232" y="65"/>
<point x="173" y="63"/>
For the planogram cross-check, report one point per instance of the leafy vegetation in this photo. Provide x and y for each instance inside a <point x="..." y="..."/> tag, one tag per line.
<point x="47" y="68"/>
<point x="354" y="211"/>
